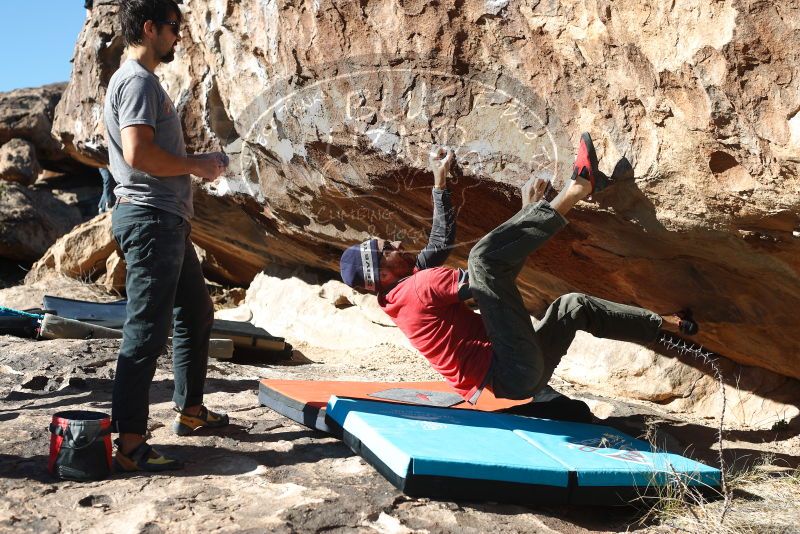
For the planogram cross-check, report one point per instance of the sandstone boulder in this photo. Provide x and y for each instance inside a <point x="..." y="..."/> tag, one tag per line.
<point x="215" y="271"/>
<point x="18" y="162"/>
<point x="31" y="220"/>
<point x="239" y="313"/>
<point x="230" y="259"/>
<point x="78" y="121"/>
<point x="328" y="112"/>
<point x="114" y="280"/>
<point x="28" y="114"/>
<point x="754" y="397"/>
<point x="232" y="235"/>
<point x="31" y="295"/>
<point x="298" y="310"/>
<point x="82" y="253"/>
<point x="343" y="296"/>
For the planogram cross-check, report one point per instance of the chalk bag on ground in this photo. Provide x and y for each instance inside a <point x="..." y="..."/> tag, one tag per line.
<point x="80" y="445"/>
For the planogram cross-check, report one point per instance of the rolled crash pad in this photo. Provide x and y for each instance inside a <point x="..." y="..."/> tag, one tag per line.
<point x="107" y="314"/>
<point x="55" y="327"/>
<point x="247" y="335"/>
<point x="304" y="401"/>
<point x="112" y="315"/>
<point x="473" y="455"/>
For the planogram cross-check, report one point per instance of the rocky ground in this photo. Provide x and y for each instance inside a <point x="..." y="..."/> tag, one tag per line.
<point x="265" y="472"/>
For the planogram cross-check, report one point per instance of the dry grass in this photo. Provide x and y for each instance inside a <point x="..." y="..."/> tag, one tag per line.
<point x="761" y="500"/>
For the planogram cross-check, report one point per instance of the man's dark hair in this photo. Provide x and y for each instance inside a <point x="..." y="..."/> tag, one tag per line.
<point x="134" y="13"/>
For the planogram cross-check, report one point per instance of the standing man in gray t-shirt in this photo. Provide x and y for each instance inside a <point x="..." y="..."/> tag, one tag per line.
<point x="164" y="284"/>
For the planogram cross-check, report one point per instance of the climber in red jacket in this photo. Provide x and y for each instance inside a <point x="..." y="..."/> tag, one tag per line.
<point x="498" y="348"/>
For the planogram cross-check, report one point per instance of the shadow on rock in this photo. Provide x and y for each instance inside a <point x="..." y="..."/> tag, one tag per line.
<point x="220" y="459"/>
<point x="700" y="442"/>
<point x="99" y="390"/>
<point x="202" y="460"/>
<point x="592" y="518"/>
<point x="26" y="467"/>
<point x="289" y="358"/>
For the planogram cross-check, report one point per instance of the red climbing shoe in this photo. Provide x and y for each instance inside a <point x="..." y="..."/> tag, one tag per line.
<point x="586" y="165"/>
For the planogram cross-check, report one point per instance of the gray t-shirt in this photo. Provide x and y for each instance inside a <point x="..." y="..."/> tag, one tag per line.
<point x="135" y="96"/>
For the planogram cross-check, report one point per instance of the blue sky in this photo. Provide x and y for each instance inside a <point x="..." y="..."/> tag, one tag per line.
<point x="36" y="41"/>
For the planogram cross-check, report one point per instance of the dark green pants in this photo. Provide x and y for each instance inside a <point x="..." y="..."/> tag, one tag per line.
<point x="526" y="357"/>
<point x="166" y="291"/>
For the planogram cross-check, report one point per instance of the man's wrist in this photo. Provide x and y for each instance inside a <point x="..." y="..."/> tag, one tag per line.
<point x="192" y="163"/>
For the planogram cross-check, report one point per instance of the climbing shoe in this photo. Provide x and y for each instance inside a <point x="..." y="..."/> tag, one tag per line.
<point x="585" y="165"/>
<point x="185" y="424"/>
<point x="687" y="325"/>
<point x="143" y="458"/>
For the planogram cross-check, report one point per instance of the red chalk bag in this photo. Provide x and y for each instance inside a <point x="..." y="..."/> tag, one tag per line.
<point x="80" y="445"/>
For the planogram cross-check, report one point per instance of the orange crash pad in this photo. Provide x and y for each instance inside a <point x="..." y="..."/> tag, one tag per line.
<point x="304" y="401"/>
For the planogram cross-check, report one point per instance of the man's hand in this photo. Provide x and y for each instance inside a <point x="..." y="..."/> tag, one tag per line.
<point x="209" y="166"/>
<point x="440" y="160"/>
<point x="533" y="190"/>
<point x="220" y="156"/>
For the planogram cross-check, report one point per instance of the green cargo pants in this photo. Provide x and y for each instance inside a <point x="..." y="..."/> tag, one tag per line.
<point x="526" y="357"/>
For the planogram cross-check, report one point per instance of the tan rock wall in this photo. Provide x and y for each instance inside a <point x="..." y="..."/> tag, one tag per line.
<point x="18" y="162"/>
<point x="26" y="117"/>
<point x="81" y="253"/>
<point x="31" y="220"/>
<point x="28" y="114"/>
<point x="328" y="109"/>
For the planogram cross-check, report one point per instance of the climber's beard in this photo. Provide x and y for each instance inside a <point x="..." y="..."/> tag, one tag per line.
<point x="169" y="56"/>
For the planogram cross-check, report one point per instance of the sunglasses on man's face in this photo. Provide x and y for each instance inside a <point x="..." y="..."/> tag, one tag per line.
<point x="174" y="24"/>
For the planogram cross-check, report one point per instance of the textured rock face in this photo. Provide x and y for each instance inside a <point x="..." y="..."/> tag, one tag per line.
<point x="82" y="253"/>
<point x="89" y="249"/>
<point x="681" y="384"/>
<point x="115" y="273"/>
<point x="328" y="111"/>
<point x="31" y="220"/>
<point x="27" y="114"/>
<point x="18" y="162"/>
<point x="78" y="122"/>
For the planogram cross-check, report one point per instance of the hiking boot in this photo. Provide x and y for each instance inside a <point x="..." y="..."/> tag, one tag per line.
<point x="185" y="424"/>
<point x="585" y="165"/>
<point x="143" y="458"/>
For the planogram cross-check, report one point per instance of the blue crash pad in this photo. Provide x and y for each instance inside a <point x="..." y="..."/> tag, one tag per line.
<point x="19" y="323"/>
<point x="436" y="452"/>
